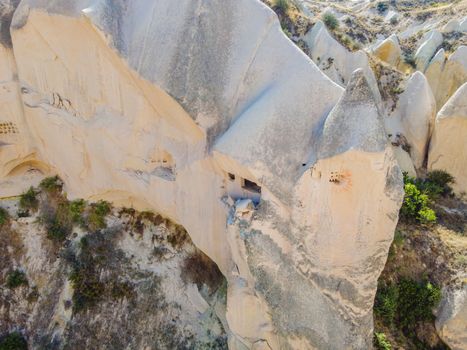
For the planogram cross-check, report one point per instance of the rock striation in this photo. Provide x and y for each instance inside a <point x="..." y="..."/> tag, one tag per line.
<point x="178" y="108"/>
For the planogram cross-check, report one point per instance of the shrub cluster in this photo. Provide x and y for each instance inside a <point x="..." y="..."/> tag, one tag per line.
<point x="3" y="217"/>
<point x="13" y="341"/>
<point x="28" y="200"/>
<point x="15" y="279"/>
<point x="421" y="193"/>
<point x="406" y="303"/>
<point x="330" y="21"/>
<point x="90" y="286"/>
<point x="381" y="343"/>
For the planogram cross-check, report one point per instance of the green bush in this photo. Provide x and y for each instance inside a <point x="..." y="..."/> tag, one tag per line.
<point x="406" y="302"/>
<point x="415" y="205"/>
<point x="440" y="182"/>
<point x="381" y="343"/>
<point x="416" y="302"/>
<point x="3" y="217"/>
<point x="77" y="208"/>
<point x="282" y="5"/>
<point x="381" y="7"/>
<point x="13" y="341"/>
<point x="16" y="278"/>
<point x="28" y="200"/>
<point x="52" y="184"/>
<point x="330" y="21"/>
<point x="88" y="289"/>
<point x="386" y="303"/>
<point x="96" y="217"/>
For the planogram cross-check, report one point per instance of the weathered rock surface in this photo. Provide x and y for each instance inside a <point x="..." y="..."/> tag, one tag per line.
<point x="389" y="51"/>
<point x="447" y="75"/>
<point x="177" y="107"/>
<point x="448" y="149"/>
<point x="412" y="121"/>
<point x="149" y="298"/>
<point x="452" y="318"/>
<point x="335" y="60"/>
<point x="429" y="44"/>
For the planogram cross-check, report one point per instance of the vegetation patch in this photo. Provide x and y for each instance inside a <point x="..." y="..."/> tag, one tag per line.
<point x="15" y="279"/>
<point x="28" y="200"/>
<point x="91" y="286"/>
<point x="4" y="217"/>
<point x="13" y="341"/>
<point x="96" y="216"/>
<point x="330" y="21"/>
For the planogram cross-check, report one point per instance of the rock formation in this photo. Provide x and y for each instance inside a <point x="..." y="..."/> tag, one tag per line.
<point x="411" y="123"/>
<point x="429" y="44"/>
<point x="447" y="75"/>
<point x="278" y="166"/>
<point x="452" y="317"/>
<point x="448" y="150"/>
<point x="389" y="51"/>
<point x="337" y="62"/>
<point x="146" y="105"/>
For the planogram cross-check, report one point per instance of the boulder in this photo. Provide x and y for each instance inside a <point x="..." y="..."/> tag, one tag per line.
<point x="448" y="149"/>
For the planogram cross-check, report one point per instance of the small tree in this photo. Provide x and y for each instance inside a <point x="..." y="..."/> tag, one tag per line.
<point x="330" y="21"/>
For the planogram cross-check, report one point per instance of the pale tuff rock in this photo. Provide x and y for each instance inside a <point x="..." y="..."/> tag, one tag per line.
<point x="418" y="111"/>
<point x="286" y="259"/>
<point x="434" y="74"/>
<point x="175" y="106"/>
<point x="452" y="317"/>
<point x="389" y="51"/>
<point x="429" y="44"/>
<point x="446" y="76"/>
<point x="448" y="149"/>
<point x="455" y="25"/>
<point x="412" y="121"/>
<point x="335" y="60"/>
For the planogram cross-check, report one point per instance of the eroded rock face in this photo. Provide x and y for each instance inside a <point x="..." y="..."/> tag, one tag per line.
<point x="430" y="43"/>
<point x="448" y="150"/>
<point x="447" y="75"/>
<point x="335" y="60"/>
<point x="452" y="317"/>
<point x="177" y="107"/>
<point x="389" y="51"/>
<point x="412" y="121"/>
<point x="137" y="291"/>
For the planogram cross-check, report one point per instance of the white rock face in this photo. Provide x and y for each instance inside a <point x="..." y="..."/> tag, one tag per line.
<point x="412" y="121"/>
<point x="429" y="44"/>
<point x="177" y="107"/>
<point x="335" y="60"/>
<point x="452" y="318"/>
<point x="389" y="51"/>
<point x="446" y="76"/>
<point x="448" y="149"/>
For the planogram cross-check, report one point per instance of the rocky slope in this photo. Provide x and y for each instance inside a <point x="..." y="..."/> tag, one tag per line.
<point x="282" y="162"/>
